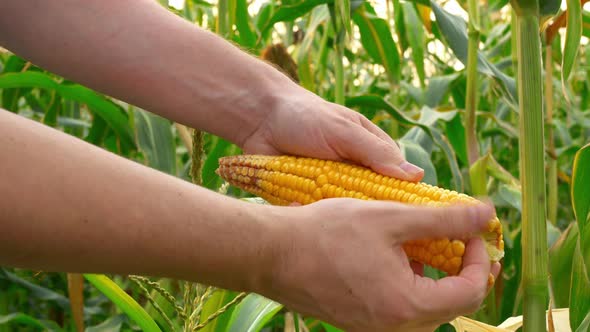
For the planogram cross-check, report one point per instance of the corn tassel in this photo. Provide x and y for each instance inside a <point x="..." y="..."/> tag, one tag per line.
<point x="283" y="180"/>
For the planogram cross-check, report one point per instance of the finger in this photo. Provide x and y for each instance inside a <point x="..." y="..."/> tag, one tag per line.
<point x="457" y="295"/>
<point x="359" y="145"/>
<point x="414" y="171"/>
<point x="373" y="128"/>
<point x="458" y="221"/>
<point x="495" y="270"/>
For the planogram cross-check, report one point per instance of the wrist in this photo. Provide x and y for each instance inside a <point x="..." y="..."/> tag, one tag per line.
<point x="276" y="241"/>
<point x="276" y="94"/>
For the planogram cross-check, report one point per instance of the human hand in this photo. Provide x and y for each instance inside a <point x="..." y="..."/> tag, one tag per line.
<point x="341" y="261"/>
<point x="302" y="123"/>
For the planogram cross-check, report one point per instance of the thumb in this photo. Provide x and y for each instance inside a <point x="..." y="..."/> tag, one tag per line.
<point x="458" y="221"/>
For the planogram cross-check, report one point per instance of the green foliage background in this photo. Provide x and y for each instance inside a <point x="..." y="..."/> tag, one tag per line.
<point x="405" y="69"/>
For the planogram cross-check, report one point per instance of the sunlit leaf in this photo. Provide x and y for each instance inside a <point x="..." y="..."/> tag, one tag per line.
<point x="252" y="314"/>
<point x="580" y="186"/>
<point x="156" y="141"/>
<point x="343" y="12"/>
<point x="415" y="34"/>
<point x="560" y="265"/>
<point x="292" y="12"/>
<point x="511" y="195"/>
<point x="573" y="35"/>
<point x="416" y="155"/>
<point x="244" y="25"/>
<point x="220" y="148"/>
<point x="112" y="324"/>
<point x="123" y="301"/>
<point x="10" y="96"/>
<point x="425" y="12"/>
<point x="377" y="102"/>
<point x="377" y="40"/>
<point x="437" y="88"/>
<point x="455" y="131"/>
<point x="586" y="24"/>
<point x="331" y="328"/>
<point x="213" y="304"/>
<point x="580" y="287"/>
<point x="109" y="111"/>
<point x="478" y="175"/>
<point x="400" y="27"/>
<point x="454" y="30"/>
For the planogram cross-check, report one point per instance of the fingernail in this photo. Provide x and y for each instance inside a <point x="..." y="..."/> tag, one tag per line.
<point x="411" y="169"/>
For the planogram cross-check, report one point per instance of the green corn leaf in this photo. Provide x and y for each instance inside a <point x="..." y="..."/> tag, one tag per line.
<point x="263" y="17"/>
<point x="244" y="25"/>
<point x="220" y="148"/>
<point x="586" y="24"/>
<point x="454" y="30"/>
<point x="19" y="319"/>
<point x="123" y="301"/>
<point x="561" y="256"/>
<point x="437" y="88"/>
<point x="573" y="36"/>
<point x="112" y="324"/>
<point x="36" y="291"/>
<point x="156" y="141"/>
<point x="415" y="34"/>
<point x="330" y="328"/>
<point x="548" y="8"/>
<point x="98" y="131"/>
<point x="343" y="11"/>
<point x="511" y="301"/>
<point x="400" y="27"/>
<point x="216" y="302"/>
<point x="415" y="154"/>
<point x="455" y="132"/>
<point x="378" y="103"/>
<point x="377" y="40"/>
<point x="319" y="16"/>
<point x="585" y="324"/>
<point x="10" y="96"/>
<point x="252" y="314"/>
<point x="580" y="287"/>
<point x="580" y="189"/>
<point x="113" y="115"/>
<point x="511" y="195"/>
<point x="291" y="12"/>
<point x="478" y="175"/>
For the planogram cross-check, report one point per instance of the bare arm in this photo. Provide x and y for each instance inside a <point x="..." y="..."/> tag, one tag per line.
<point x="139" y="52"/>
<point x="69" y="206"/>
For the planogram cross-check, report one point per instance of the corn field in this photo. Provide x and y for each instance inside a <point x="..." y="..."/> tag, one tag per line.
<point x="490" y="98"/>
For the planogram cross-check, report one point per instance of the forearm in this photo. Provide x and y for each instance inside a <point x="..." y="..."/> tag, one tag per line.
<point x="139" y="52"/>
<point x="69" y="206"/>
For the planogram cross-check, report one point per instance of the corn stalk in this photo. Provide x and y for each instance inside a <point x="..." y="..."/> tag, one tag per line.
<point x="532" y="167"/>
<point x="551" y="162"/>
<point x="471" y="95"/>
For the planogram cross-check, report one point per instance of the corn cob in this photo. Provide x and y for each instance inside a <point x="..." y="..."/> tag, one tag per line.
<point x="282" y="180"/>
